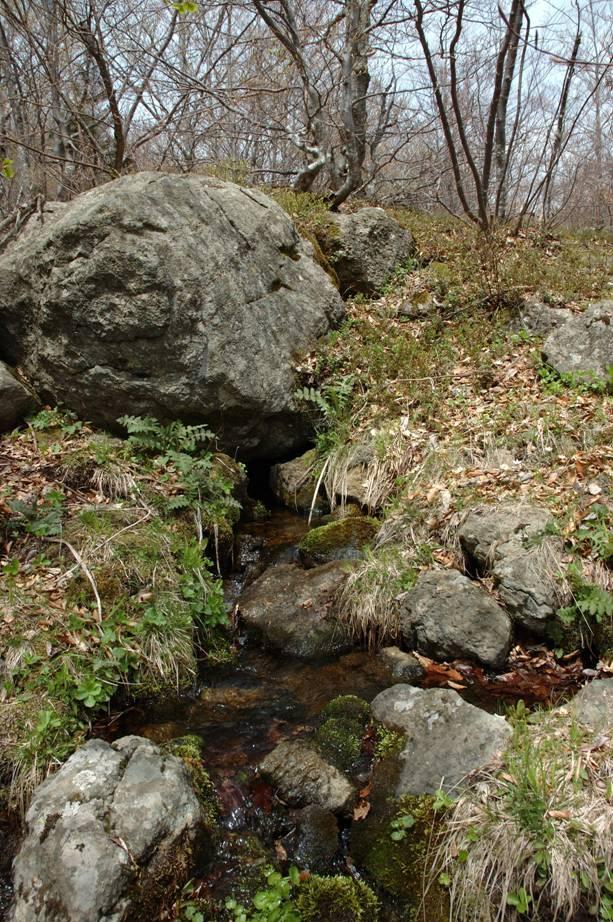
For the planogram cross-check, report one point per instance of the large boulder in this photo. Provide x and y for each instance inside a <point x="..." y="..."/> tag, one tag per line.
<point x="365" y="248"/>
<point x="107" y="835"/>
<point x="510" y="541"/>
<point x="446" y="615"/>
<point x="172" y="296"/>
<point x="303" y="777"/>
<point x="15" y="399"/>
<point x="295" y="609"/>
<point x="583" y="346"/>
<point x="446" y="738"/>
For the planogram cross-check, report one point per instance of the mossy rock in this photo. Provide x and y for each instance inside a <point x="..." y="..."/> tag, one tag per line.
<point x="595" y="639"/>
<point x="400" y="868"/>
<point x="339" y="738"/>
<point x="336" y="899"/>
<point x="189" y="750"/>
<point x="343" y="539"/>
<point x="348" y="707"/>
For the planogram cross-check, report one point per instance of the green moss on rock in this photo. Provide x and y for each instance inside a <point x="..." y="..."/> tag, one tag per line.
<point x="400" y="868"/>
<point x="189" y="750"/>
<point x="336" y="899"/>
<point x="342" y="539"/>
<point x="339" y="738"/>
<point x="348" y="707"/>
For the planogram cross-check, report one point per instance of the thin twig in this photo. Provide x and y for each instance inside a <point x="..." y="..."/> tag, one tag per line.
<point x="85" y="569"/>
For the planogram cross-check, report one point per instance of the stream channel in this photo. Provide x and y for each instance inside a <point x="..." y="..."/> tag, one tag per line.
<point x="242" y="711"/>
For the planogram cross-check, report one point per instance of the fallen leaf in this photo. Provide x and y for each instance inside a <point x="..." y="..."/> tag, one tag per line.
<point x="361" y="811"/>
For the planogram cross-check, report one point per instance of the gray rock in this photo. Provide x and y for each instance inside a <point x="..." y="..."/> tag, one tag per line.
<point x="584" y="344"/>
<point x="303" y="777"/>
<point x="528" y="582"/>
<point x="487" y="529"/>
<point x="446" y="615"/>
<point x="172" y="296"/>
<point x="510" y="542"/>
<point x="294" y="482"/>
<point x="365" y="248"/>
<point x="446" y="738"/>
<point x="15" y="399"/>
<point x="593" y="705"/>
<point x="540" y="319"/>
<point x="295" y="609"/>
<point x="401" y="665"/>
<point x="109" y="827"/>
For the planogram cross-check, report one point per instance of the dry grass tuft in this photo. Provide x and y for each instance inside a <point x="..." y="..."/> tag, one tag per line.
<point x="369" y="470"/>
<point x="538" y="830"/>
<point x="369" y="599"/>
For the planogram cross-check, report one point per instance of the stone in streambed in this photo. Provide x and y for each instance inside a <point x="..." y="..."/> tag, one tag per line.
<point x="295" y="609"/>
<point x="448" y="616"/>
<point x="108" y="837"/>
<point x="343" y="539"/>
<point x="303" y="777"/>
<point x="401" y="665"/>
<point x="446" y="738"/>
<point x="294" y="484"/>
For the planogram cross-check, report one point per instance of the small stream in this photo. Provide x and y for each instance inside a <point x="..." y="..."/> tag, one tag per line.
<point x="241" y="712"/>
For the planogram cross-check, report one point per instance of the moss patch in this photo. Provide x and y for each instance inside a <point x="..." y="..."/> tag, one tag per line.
<point x="189" y="750"/>
<point x="336" y="899"/>
<point x="338" y="540"/>
<point x="402" y="869"/>
<point x="339" y="738"/>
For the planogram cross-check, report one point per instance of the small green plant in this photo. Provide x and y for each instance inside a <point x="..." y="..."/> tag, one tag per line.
<point x="7" y="169"/>
<point x="332" y="402"/>
<point x="556" y="384"/>
<point x="147" y="436"/>
<point x="400" y="827"/>
<point x="273" y="903"/>
<point x="591" y="605"/>
<point x="43" y="519"/>
<point x="442" y="801"/>
<point x="595" y="533"/>
<point x="520" y="900"/>
<point x="55" y="418"/>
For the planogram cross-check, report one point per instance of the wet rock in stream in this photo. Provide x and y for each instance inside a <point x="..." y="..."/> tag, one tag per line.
<point x="109" y="836"/>
<point x="314" y="842"/>
<point x="294" y="609"/>
<point x="303" y="777"/>
<point x="446" y="738"/>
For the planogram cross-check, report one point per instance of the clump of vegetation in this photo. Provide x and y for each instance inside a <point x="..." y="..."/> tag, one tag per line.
<point x="108" y="590"/>
<point x="339" y="737"/>
<point x="368" y="601"/>
<point x="534" y="836"/>
<point x="336" y="899"/>
<point x="394" y="846"/>
<point x="307" y="898"/>
<point x="388" y="742"/>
